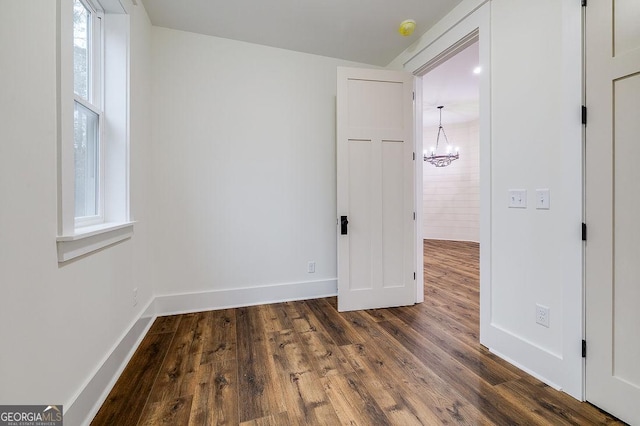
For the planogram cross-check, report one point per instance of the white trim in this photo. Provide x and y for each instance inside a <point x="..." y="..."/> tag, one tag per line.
<point x="547" y="353"/>
<point x="114" y="6"/>
<point x="85" y="405"/>
<point x="237" y="297"/>
<point x="91" y="238"/>
<point x="477" y="21"/>
<point x="65" y="117"/>
<point x="540" y="362"/>
<point x="573" y="311"/>
<point x="526" y="370"/>
<point x="88" y="105"/>
<point x="80" y="237"/>
<point x="418" y="197"/>
<point x="84" y="221"/>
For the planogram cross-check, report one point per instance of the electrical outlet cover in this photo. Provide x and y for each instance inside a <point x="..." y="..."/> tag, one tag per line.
<point x="542" y="315"/>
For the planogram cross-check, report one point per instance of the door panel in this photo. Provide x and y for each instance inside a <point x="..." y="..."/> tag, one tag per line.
<point x="393" y="210"/>
<point x="376" y="104"/>
<point x="375" y="178"/>
<point x="626" y="27"/>
<point x="359" y="220"/>
<point x="626" y="270"/>
<point x="612" y="204"/>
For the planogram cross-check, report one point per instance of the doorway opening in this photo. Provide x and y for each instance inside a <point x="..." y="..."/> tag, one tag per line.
<point x="451" y="194"/>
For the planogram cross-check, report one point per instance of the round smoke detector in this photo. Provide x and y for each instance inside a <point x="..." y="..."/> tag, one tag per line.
<point x="407" y="27"/>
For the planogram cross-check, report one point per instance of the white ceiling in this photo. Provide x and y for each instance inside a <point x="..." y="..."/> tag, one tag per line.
<point x="454" y="85"/>
<point x="357" y="30"/>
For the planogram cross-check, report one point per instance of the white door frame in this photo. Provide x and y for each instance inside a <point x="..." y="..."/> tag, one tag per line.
<point x="453" y="39"/>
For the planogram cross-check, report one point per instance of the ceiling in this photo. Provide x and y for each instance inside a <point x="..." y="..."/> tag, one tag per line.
<point x="454" y="85"/>
<point x="356" y="30"/>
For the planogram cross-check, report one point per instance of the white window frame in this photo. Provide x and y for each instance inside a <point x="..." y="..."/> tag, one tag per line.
<point x="94" y="103"/>
<point x="81" y="236"/>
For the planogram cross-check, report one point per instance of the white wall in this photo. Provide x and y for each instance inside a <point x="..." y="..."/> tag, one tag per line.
<point x="58" y="322"/>
<point x="451" y="195"/>
<point x="536" y="143"/>
<point x="244" y="165"/>
<point x="533" y="54"/>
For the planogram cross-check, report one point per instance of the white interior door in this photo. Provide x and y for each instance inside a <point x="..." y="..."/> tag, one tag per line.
<point x="375" y="179"/>
<point x="613" y="207"/>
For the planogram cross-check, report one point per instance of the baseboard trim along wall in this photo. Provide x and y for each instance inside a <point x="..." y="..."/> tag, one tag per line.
<point x="86" y="405"/>
<point x="534" y="359"/>
<point x="526" y="370"/>
<point x="237" y="297"/>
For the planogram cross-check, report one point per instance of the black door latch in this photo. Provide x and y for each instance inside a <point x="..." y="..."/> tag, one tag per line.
<point x="343" y="225"/>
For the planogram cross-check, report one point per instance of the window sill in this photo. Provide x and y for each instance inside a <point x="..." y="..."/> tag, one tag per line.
<point x="91" y="238"/>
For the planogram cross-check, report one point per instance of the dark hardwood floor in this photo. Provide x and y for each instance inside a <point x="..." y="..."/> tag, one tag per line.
<point x="304" y="363"/>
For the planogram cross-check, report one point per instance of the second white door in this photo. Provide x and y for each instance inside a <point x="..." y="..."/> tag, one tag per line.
<point x="375" y="186"/>
<point x="612" y="205"/>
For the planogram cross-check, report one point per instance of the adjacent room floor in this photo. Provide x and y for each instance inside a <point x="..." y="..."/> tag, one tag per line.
<point x="304" y="363"/>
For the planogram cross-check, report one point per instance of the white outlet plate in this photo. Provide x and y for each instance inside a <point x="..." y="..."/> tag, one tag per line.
<point x="542" y="315"/>
<point x="311" y="267"/>
<point x="517" y="198"/>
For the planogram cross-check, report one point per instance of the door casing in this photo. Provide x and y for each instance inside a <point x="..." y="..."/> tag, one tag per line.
<point x="472" y="28"/>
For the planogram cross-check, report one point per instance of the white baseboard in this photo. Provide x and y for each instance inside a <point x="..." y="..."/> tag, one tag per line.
<point x="526" y="370"/>
<point x="88" y="401"/>
<point x="233" y="298"/>
<point x="92" y="395"/>
<point x="528" y="356"/>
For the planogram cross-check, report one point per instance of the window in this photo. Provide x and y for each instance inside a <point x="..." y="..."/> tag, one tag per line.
<point x="87" y="114"/>
<point x="93" y="140"/>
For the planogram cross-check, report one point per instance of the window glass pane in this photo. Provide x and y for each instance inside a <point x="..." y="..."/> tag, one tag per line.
<point x="87" y="163"/>
<point x="81" y="39"/>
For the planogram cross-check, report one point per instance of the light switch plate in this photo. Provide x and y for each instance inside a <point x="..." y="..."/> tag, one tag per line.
<point x="517" y="198"/>
<point x="543" y="201"/>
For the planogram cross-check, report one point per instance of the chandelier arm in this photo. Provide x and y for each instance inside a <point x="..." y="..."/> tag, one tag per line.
<point x="440" y="127"/>
<point x="444" y="133"/>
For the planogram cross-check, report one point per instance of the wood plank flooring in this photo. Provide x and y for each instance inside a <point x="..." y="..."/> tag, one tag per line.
<point x="303" y="363"/>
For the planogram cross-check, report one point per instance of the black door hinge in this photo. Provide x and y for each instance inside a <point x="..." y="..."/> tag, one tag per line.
<point x="584" y="231"/>
<point x="414" y="215"/>
<point x="414" y="275"/>
<point x="584" y="3"/>
<point x="584" y="348"/>
<point x="414" y="156"/>
<point x="584" y="115"/>
<point x="414" y="96"/>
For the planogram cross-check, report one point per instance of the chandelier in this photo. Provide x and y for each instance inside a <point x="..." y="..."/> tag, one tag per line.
<point x="443" y="159"/>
